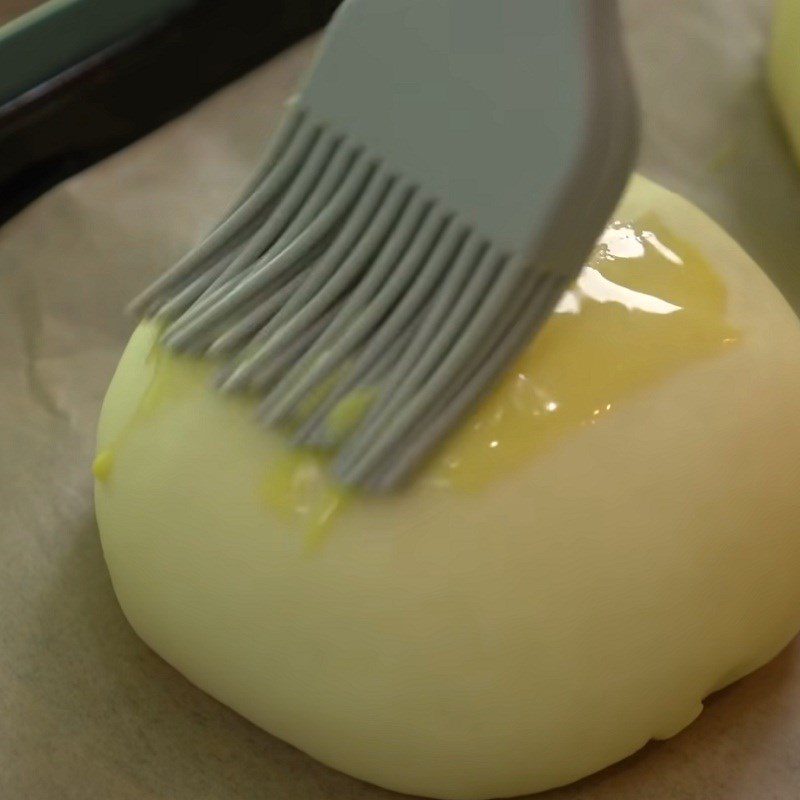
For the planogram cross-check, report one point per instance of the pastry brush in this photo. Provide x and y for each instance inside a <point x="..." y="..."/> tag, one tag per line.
<point x="432" y="190"/>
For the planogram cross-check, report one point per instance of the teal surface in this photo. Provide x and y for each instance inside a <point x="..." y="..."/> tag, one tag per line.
<point x="60" y="33"/>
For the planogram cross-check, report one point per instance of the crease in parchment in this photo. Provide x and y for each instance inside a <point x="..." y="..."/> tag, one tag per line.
<point x="23" y="296"/>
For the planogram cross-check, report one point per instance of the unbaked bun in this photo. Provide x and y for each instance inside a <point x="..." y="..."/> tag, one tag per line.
<point x="504" y="626"/>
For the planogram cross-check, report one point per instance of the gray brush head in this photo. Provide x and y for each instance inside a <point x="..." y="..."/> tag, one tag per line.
<point x="368" y="313"/>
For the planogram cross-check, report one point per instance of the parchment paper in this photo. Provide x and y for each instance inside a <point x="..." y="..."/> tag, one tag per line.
<point x="87" y="712"/>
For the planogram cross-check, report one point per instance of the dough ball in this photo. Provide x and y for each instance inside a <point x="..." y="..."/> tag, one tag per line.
<point x="528" y="625"/>
<point x="784" y="68"/>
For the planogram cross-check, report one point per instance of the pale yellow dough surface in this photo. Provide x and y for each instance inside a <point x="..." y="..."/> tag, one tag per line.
<point x="784" y="68"/>
<point x="489" y="643"/>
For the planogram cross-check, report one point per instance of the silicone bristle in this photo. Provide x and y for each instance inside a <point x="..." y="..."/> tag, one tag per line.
<point x="334" y="284"/>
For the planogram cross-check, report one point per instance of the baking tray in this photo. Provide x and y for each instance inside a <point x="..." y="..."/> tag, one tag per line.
<point x="121" y="73"/>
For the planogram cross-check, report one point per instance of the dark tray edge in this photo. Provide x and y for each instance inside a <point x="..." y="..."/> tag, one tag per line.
<point x="112" y="98"/>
